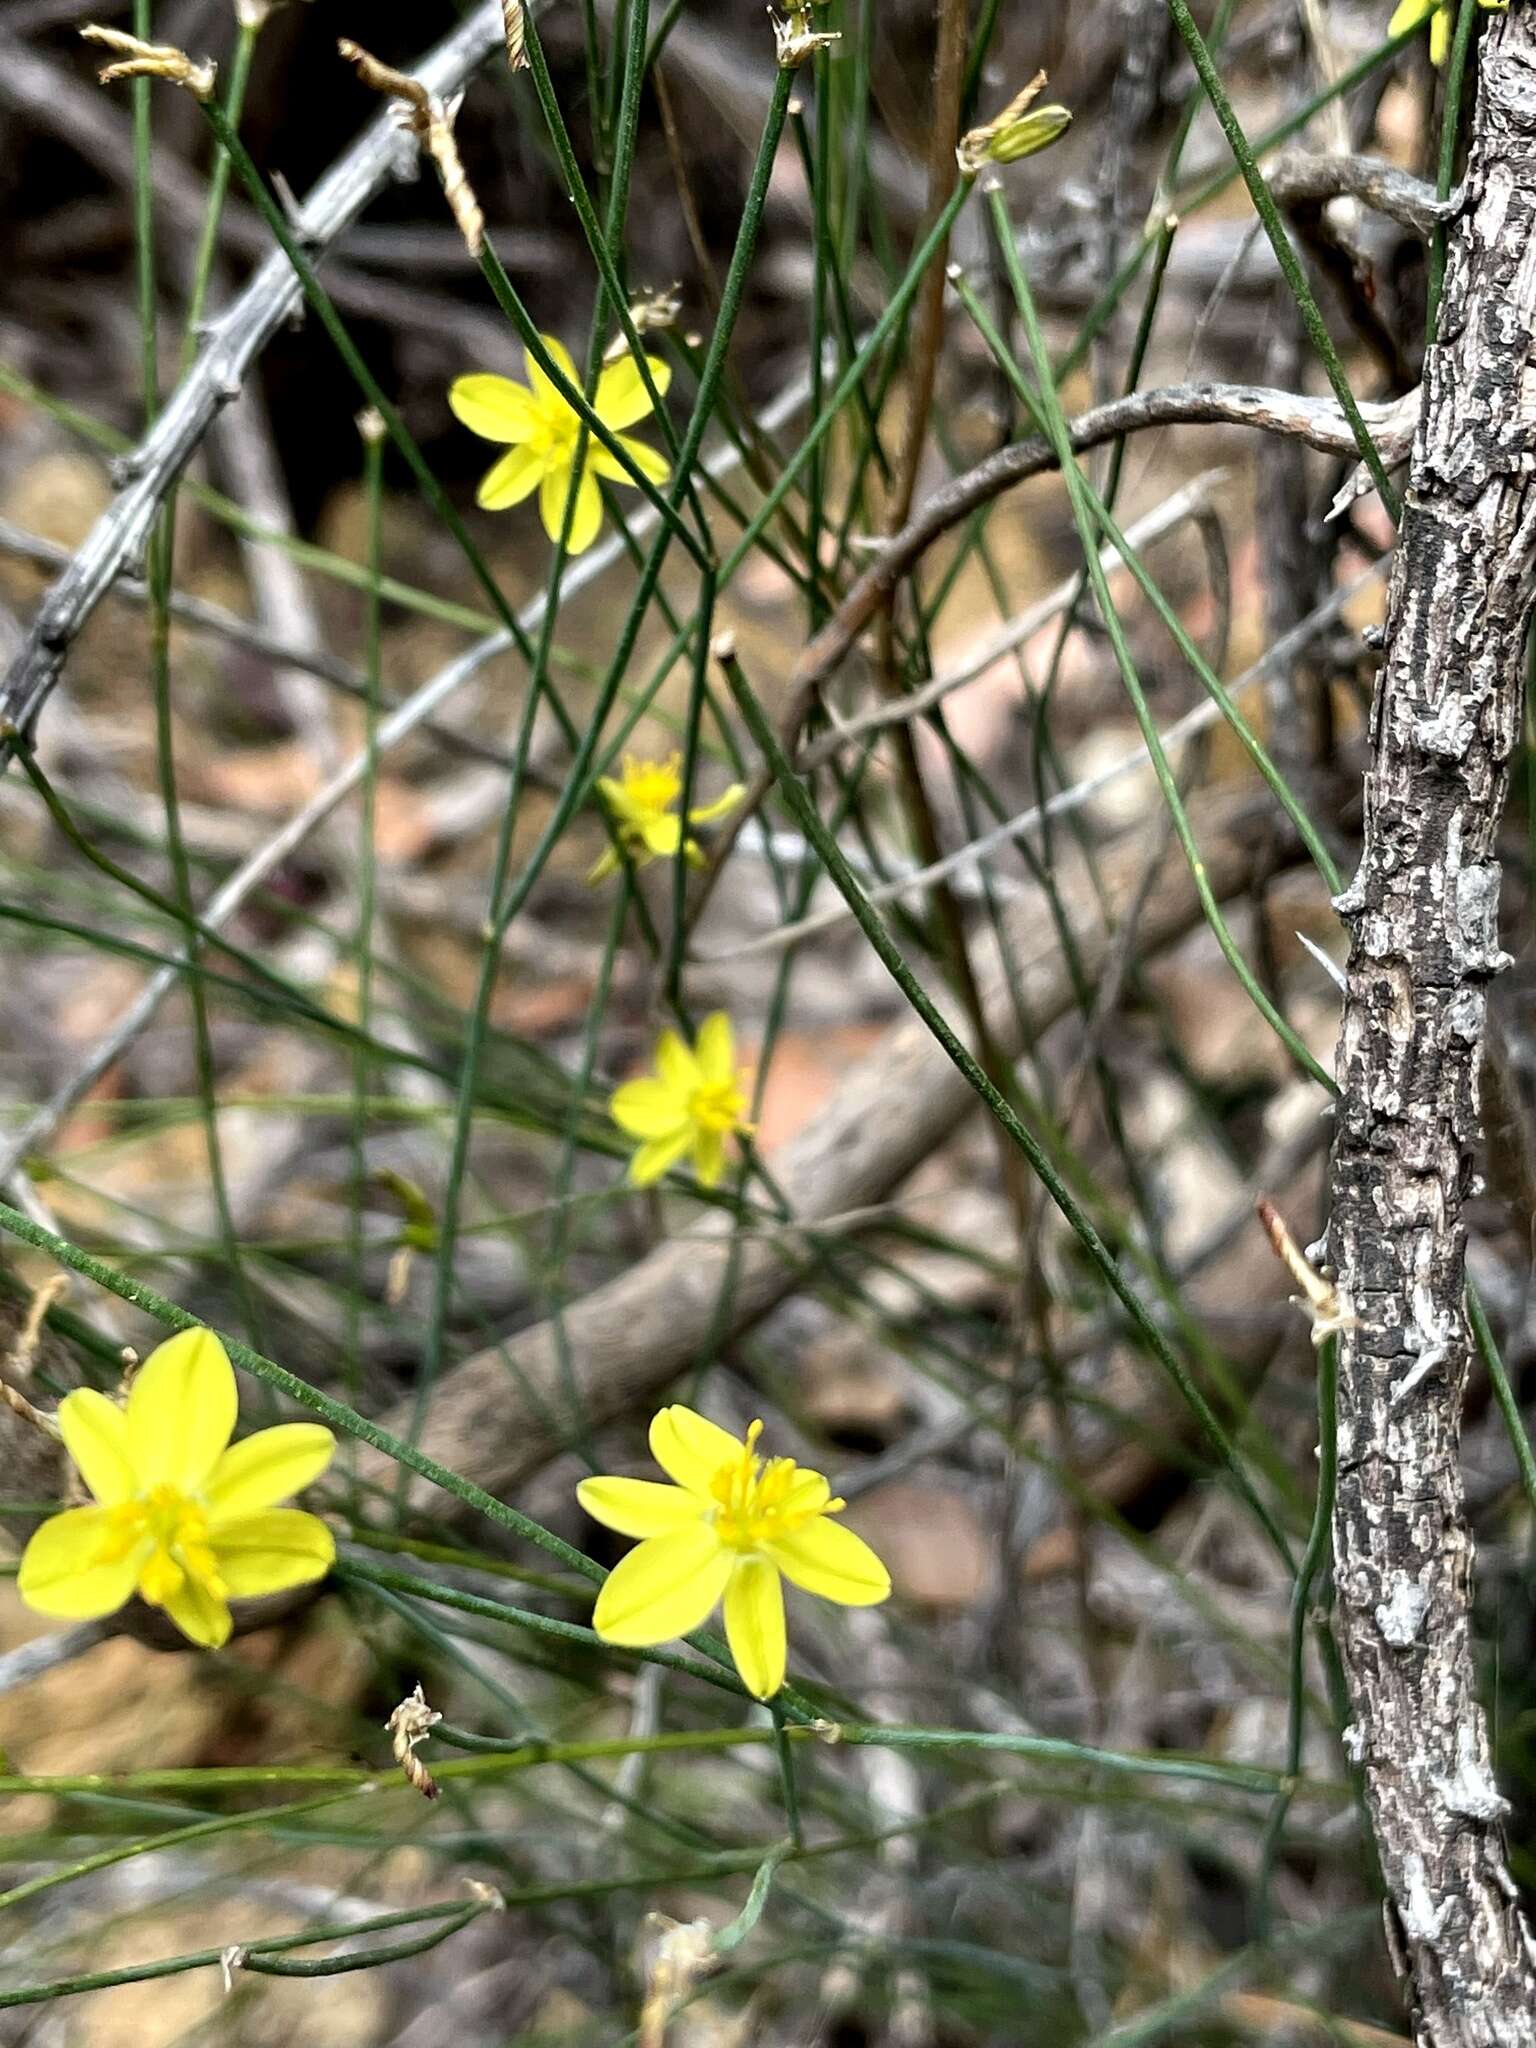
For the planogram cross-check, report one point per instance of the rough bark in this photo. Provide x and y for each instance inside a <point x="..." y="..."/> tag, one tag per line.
<point x="1422" y="915"/>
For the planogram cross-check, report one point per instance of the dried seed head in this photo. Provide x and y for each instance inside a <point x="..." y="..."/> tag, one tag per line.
<point x="1015" y="132"/>
<point x="430" y="120"/>
<point x="138" y="59"/>
<point x="412" y="1722"/>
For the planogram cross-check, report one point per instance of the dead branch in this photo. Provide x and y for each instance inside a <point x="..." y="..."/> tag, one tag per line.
<point x="233" y="343"/>
<point x="1423" y="920"/>
<point x="502" y="1414"/>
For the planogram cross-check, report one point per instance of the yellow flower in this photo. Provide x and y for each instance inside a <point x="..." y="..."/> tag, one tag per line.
<point x="541" y="431"/>
<point x="641" y="804"/>
<point x="691" y="1104"/>
<point x="1441" y="16"/>
<point x="182" y="1517"/>
<point x="730" y="1526"/>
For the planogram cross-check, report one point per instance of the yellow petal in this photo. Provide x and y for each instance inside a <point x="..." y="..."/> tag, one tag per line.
<point x="658" y="1157"/>
<point x="269" y="1552"/>
<point x="494" y="407"/>
<point x="663" y="835"/>
<point x="653" y="467"/>
<point x="690" y="1448"/>
<point x="828" y="1559"/>
<point x="664" y="1588"/>
<point x="507" y="482"/>
<point x="706" y="814"/>
<point x="587" y="519"/>
<point x="708" y="1157"/>
<point x="637" y="1507"/>
<point x="621" y="397"/>
<point x="1409" y="14"/>
<point x="754" y="1626"/>
<point x="676" y="1064"/>
<point x="60" y="1574"/>
<point x="648" y="1109"/>
<point x="181" y="1412"/>
<point x="270" y="1466"/>
<point x="543" y="387"/>
<point x="1440" y="36"/>
<point x="95" y="1433"/>
<point x="200" y="1615"/>
<point x="716" y="1048"/>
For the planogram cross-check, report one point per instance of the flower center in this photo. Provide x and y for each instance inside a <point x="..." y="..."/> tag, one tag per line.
<point x="760" y="1501"/>
<point x="652" y="786"/>
<point x="176" y="1529"/>
<point x="719" y="1106"/>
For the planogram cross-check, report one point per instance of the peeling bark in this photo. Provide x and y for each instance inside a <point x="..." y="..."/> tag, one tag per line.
<point x="1423" y="920"/>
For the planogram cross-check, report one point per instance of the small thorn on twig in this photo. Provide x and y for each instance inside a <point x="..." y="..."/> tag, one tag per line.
<point x="1324" y="1301"/>
<point x="412" y="1722"/>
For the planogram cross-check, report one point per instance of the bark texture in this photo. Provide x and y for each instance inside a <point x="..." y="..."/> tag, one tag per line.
<point x="1423" y="921"/>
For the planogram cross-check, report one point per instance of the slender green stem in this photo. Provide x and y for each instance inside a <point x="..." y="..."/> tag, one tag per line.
<point x="1285" y="254"/>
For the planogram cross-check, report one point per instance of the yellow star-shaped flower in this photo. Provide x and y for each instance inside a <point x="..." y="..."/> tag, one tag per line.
<point x="731" y="1527"/>
<point x="183" y="1518"/>
<point x="692" y="1103"/>
<point x="541" y="431"/>
<point x="640" y="803"/>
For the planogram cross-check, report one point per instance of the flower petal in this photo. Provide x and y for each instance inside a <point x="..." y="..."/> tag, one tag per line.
<point x="181" y="1412"/>
<point x="1409" y="14"/>
<point x="715" y="1049"/>
<point x="648" y="1109"/>
<point x="95" y="1433"/>
<point x="200" y="1615"/>
<point x="664" y="1588"/>
<point x="621" y="397"/>
<point x="676" y="1064"/>
<point x="60" y="1571"/>
<point x="543" y="387"/>
<point x="494" y="407"/>
<point x="638" y="1507"/>
<point x="708" y="1157"/>
<point x="1440" y="36"/>
<point x="658" y="1157"/>
<point x="728" y="799"/>
<point x="828" y="1559"/>
<point x="653" y="467"/>
<point x="507" y="482"/>
<point x="270" y="1466"/>
<point x="663" y="835"/>
<point x="754" y="1626"/>
<point x="587" y="519"/>
<point x="690" y="1448"/>
<point x="269" y="1552"/>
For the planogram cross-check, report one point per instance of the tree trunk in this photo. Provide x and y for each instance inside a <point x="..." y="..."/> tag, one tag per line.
<point x="1423" y="921"/>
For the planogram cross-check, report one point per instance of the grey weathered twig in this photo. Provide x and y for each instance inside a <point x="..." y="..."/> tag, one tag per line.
<point x="1302" y="175"/>
<point x="232" y="344"/>
<point x="1423" y="919"/>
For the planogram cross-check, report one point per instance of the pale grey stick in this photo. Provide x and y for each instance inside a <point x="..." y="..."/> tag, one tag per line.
<point x="416" y="710"/>
<point x="1065" y="801"/>
<point x="231" y="345"/>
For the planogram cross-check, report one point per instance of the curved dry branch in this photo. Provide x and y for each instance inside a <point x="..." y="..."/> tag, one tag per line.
<point x="502" y="1414"/>
<point x="232" y="344"/>
<point x="1423" y="920"/>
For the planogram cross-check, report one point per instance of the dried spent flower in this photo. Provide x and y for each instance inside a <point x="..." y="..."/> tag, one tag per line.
<point x="1324" y="1301"/>
<point x="430" y="120"/>
<point x="1020" y="130"/>
<point x="138" y="59"/>
<point x="411" y="1723"/>
<point x="512" y="15"/>
<point x="794" y="39"/>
